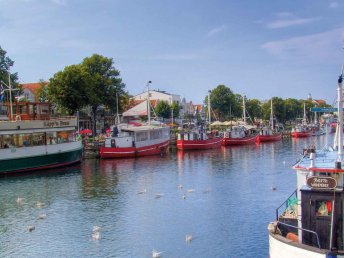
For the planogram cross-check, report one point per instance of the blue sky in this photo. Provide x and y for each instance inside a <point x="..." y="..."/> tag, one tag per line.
<point x="259" y="48"/>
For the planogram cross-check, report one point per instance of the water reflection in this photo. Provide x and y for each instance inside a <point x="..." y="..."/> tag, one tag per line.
<point x="235" y="209"/>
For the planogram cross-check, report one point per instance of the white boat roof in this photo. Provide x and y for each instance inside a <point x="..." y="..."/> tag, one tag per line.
<point x="142" y="128"/>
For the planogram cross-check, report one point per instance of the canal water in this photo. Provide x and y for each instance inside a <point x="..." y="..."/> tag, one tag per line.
<point x="223" y="198"/>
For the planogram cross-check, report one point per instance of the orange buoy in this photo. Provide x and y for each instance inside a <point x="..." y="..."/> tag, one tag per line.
<point x="293" y="237"/>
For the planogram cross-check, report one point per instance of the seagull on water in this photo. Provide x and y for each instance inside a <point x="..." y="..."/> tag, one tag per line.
<point x="143" y="191"/>
<point x="40" y="204"/>
<point x="31" y="228"/>
<point x="156" y="254"/>
<point x="188" y="238"/>
<point x="41" y="216"/>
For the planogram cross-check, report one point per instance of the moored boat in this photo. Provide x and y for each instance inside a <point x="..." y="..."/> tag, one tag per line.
<point x="197" y="141"/>
<point x="136" y="141"/>
<point x="311" y="222"/>
<point x="32" y="140"/>
<point x="302" y="130"/>
<point x="270" y="133"/>
<point x="240" y="135"/>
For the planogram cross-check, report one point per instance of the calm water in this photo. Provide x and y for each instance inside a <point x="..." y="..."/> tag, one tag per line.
<point x="229" y="219"/>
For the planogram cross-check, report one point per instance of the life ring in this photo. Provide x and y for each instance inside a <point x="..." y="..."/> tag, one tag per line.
<point x="18" y="118"/>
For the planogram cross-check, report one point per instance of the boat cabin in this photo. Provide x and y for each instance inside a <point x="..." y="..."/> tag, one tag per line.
<point x="25" y="111"/>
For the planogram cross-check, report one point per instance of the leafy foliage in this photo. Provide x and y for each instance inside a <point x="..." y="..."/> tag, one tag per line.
<point x="163" y="109"/>
<point x="5" y="64"/>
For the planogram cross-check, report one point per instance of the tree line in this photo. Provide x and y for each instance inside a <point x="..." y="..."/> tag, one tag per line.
<point x="96" y="82"/>
<point x="227" y="105"/>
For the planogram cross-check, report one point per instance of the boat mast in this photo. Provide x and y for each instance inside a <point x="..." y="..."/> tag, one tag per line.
<point x="244" y="108"/>
<point x="271" y="117"/>
<point x="117" y="108"/>
<point x="304" y="122"/>
<point x="340" y="118"/>
<point x="10" y="89"/>
<point x="209" y="112"/>
<point x="148" y="103"/>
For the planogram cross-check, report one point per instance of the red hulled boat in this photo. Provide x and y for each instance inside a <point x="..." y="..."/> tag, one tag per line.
<point x="131" y="141"/>
<point x="197" y="141"/>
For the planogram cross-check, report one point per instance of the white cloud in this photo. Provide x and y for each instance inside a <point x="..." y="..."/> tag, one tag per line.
<point x="320" y="46"/>
<point x="216" y="30"/>
<point x="334" y="5"/>
<point x="286" y="19"/>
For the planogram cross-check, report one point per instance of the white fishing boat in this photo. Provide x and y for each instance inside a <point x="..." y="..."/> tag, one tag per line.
<point x="309" y="224"/>
<point x="128" y="140"/>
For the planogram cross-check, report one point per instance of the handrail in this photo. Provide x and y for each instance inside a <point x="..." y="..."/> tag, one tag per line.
<point x="310" y="231"/>
<point x="295" y="192"/>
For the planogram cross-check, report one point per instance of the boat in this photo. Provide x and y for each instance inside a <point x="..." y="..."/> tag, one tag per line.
<point x="242" y="134"/>
<point x="197" y="137"/>
<point x="30" y="139"/>
<point x="128" y="141"/>
<point x="269" y="133"/>
<point x="136" y="140"/>
<point x="302" y="130"/>
<point x="310" y="222"/>
<point x="198" y="140"/>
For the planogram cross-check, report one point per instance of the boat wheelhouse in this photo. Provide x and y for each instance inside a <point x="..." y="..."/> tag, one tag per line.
<point x="30" y="139"/>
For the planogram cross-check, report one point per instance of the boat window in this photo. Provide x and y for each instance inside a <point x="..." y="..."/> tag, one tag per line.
<point x="323" y="208"/>
<point x="141" y="136"/>
<point x="7" y="141"/>
<point x="51" y="138"/>
<point x="22" y="109"/>
<point x="156" y="134"/>
<point x="37" y="139"/>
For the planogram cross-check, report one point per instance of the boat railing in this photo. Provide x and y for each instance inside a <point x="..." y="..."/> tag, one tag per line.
<point x="303" y="229"/>
<point x="286" y="203"/>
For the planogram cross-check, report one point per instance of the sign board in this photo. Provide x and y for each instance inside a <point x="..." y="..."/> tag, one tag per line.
<point x="318" y="182"/>
<point x="325" y="110"/>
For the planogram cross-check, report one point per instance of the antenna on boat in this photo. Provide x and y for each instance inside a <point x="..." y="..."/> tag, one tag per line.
<point x="148" y="103"/>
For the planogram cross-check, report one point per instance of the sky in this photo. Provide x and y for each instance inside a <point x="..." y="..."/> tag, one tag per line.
<point x="259" y="48"/>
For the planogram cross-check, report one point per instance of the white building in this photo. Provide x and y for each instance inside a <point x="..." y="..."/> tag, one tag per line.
<point x="159" y="95"/>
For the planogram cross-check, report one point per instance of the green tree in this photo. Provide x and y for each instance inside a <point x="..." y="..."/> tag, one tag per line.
<point x="254" y="108"/>
<point x="176" y="109"/>
<point x="67" y="89"/>
<point x="222" y="101"/>
<point x="5" y="64"/>
<point x="42" y="91"/>
<point x="93" y="83"/>
<point x="279" y="109"/>
<point x="293" y="109"/>
<point x="103" y="83"/>
<point x="163" y="109"/>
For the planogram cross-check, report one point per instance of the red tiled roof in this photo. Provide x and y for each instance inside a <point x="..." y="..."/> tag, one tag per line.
<point x="319" y="101"/>
<point x="33" y="87"/>
<point x="198" y="107"/>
